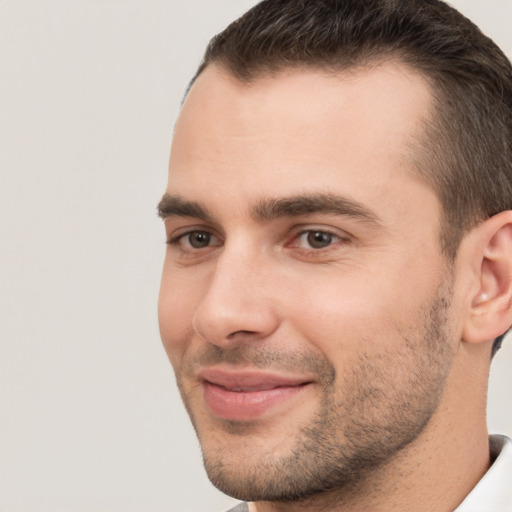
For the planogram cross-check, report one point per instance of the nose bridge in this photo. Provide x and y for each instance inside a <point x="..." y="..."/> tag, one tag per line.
<point x="236" y="300"/>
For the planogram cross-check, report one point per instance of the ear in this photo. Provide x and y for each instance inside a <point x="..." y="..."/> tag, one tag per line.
<point x="491" y="306"/>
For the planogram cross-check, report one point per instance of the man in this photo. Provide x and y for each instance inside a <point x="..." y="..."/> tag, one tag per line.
<point x="339" y="261"/>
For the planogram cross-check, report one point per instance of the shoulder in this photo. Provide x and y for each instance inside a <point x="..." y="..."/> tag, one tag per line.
<point x="241" y="507"/>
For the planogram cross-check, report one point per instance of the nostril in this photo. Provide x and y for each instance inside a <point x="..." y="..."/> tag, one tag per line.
<point x="242" y="332"/>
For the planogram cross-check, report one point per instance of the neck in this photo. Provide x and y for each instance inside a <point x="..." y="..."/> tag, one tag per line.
<point x="434" y="473"/>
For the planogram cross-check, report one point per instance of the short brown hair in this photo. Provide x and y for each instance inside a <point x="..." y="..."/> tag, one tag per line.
<point x="466" y="151"/>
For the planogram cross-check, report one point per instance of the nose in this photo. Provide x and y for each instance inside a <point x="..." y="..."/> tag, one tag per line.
<point x="239" y="304"/>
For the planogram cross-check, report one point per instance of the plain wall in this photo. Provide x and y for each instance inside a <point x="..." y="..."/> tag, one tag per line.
<point x="90" y="419"/>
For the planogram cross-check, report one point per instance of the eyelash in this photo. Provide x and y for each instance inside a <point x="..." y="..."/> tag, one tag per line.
<point x="334" y="239"/>
<point x="177" y="239"/>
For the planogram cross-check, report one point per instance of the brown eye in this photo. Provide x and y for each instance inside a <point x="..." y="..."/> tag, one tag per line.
<point x="198" y="239"/>
<point x="318" y="239"/>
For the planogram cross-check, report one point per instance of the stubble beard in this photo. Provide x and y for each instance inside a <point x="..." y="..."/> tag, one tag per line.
<point x="365" y="418"/>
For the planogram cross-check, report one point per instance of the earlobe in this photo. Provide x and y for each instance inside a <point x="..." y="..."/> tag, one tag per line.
<point x="480" y="299"/>
<point x="491" y="306"/>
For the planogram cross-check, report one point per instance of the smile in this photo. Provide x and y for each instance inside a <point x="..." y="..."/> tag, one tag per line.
<point x="247" y="396"/>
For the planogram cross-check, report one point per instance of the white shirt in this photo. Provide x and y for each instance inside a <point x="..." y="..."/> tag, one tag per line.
<point x="494" y="491"/>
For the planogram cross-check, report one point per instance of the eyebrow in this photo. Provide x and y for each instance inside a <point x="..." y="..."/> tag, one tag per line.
<point x="296" y="206"/>
<point x="176" y="206"/>
<point x="269" y="209"/>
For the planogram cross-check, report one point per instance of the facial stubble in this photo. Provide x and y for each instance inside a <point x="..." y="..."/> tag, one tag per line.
<point x="366" y="417"/>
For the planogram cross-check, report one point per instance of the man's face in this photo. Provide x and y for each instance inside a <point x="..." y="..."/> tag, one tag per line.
<point x="305" y="303"/>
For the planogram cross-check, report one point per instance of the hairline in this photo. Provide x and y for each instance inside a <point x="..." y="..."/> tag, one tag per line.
<point x="417" y="149"/>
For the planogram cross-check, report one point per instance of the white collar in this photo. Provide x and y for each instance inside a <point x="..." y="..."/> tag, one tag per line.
<point x="494" y="491"/>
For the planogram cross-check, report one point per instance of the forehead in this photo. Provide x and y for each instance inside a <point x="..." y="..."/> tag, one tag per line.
<point x="353" y="131"/>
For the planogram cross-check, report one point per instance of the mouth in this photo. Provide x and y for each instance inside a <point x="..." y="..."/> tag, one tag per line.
<point x="249" y="395"/>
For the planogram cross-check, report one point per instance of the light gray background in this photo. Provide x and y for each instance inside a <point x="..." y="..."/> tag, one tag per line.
<point x="90" y="420"/>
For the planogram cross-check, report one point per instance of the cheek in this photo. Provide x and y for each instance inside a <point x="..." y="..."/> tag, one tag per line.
<point x="177" y="303"/>
<point x="347" y="312"/>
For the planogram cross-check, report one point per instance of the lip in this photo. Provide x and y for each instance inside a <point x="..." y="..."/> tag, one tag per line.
<point x="248" y="395"/>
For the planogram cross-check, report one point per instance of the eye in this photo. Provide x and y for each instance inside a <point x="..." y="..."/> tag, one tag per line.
<point x="198" y="239"/>
<point x="316" y="239"/>
<point x="195" y="239"/>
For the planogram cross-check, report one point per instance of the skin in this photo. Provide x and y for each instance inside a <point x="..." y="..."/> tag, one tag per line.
<point x="369" y="314"/>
